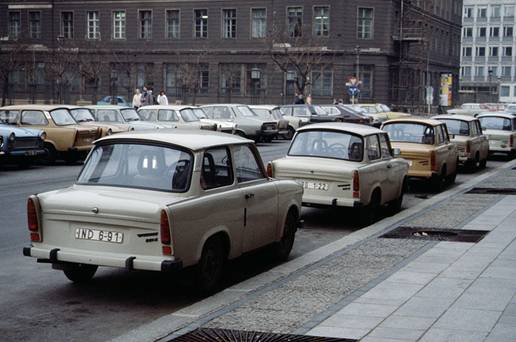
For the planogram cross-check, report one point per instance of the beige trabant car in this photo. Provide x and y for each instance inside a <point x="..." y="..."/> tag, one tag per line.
<point x="65" y="138"/>
<point x="500" y="129"/>
<point x="425" y="143"/>
<point x="84" y="117"/>
<point x="381" y="113"/>
<point x="271" y="112"/>
<point x="466" y="133"/>
<point x="174" y="116"/>
<point x="344" y="165"/>
<point x="162" y="201"/>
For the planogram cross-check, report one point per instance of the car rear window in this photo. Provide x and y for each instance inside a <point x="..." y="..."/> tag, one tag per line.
<point x="138" y="166"/>
<point x="188" y="115"/>
<point x="496" y="122"/>
<point x="148" y="114"/>
<point x="130" y="114"/>
<point x="456" y="127"/>
<point x="9" y="117"/>
<point x="411" y="133"/>
<point x="62" y="117"/>
<point x="82" y="115"/>
<point x="328" y="144"/>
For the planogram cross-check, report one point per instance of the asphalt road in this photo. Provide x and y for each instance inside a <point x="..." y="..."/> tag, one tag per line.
<point x="40" y="304"/>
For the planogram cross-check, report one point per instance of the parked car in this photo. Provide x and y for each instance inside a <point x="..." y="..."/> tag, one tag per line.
<point x="248" y="123"/>
<point x="381" y="113"/>
<point x="466" y="133"/>
<point x="273" y="113"/>
<point x="511" y="108"/>
<point x="19" y="145"/>
<point x="309" y="113"/>
<point x="83" y="116"/>
<point x="222" y="125"/>
<point x="340" y="113"/>
<point x="425" y="143"/>
<point x="162" y="201"/>
<point x="122" y="116"/>
<point x="501" y="132"/>
<point x="344" y="165"/>
<point x="173" y="116"/>
<point x="119" y="101"/>
<point x="64" y="137"/>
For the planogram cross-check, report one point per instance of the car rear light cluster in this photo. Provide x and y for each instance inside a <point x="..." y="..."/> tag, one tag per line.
<point x="33" y="219"/>
<point x="511" y="141"/>
<point x="356" y="184"/>
<point x="433" y="161"/>
<point x="468" y="147"/>
<point x="166" y="239"/>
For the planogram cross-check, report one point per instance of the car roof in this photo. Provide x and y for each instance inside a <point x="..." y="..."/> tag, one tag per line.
<point x="224" y="105"/>
<point x="172" y="107"/>
<point x="500" y="114"/>
<point x="44" y="107"/>
<point x="268" y="107"/>
<point x="425" y="121"/>
<point x="194" y="140"/>
<point x="107" y="107"/>
<point x="455" y="117"/>
<point x="344" y="127"/>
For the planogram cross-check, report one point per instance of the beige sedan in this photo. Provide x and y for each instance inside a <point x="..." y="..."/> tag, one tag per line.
<point x="162" y="201"/>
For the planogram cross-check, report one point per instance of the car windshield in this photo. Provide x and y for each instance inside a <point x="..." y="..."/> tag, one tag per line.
<point x="9" y="117"/>
<point x="496" y="122"/>
<point x="276" y="114"/>
<point x="200" y="113"/>
<point x="82" y="115"/>
<point x="138" y="166"/>
<point x="328" y="144"/>
<point x="384" y="108"/>
<point x="130" y="114"/>
<point x="219" y="112"/>
<point x="62" y="117"/>
<point x="410" y="132"/>
<point x="320" y="110"/>
<point x="148" y="114"/>
<point x="245" y="111"/>
<point x="188" y="115"/>
<point x="370" y="109"/>
<point x="456" y="127"/>
<point x="109" y="115"/>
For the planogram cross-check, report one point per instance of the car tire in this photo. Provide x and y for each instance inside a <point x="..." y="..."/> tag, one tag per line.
<point x="51" y="156"/>
<point x="282" y="248"/>
<point x="437" y="182"/>
<point x="290" y="134"/>
<point x="210" y="268"/>
<point x="369" y="213"/>
<point x="483" y="163"/>
<point x="396" y="205"/>
<point x="79" y="273"/>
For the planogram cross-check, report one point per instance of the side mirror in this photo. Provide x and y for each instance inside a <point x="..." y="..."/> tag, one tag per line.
<point x="396" y="152"/>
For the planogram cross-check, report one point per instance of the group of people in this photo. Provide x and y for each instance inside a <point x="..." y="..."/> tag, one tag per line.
<point x="146" y="98"/>
<point x="300" y="99"/>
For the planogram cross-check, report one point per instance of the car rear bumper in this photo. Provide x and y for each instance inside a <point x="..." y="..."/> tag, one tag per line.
<point x="130" y="262"/>
<point x="420" y="174"/>
<point x="318" y="201"/>
<point x="24" y="153"/>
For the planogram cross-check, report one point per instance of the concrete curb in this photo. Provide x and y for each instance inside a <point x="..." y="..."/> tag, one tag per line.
<point x="169" y="324"/>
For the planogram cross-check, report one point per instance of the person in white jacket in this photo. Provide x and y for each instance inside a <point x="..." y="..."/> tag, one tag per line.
<point x="137" y="102"/>
<point x="162" y="98"/>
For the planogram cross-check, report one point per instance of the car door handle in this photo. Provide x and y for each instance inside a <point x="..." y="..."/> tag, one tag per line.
<point x="389" y="166"/>
<point x="249" y="196"/>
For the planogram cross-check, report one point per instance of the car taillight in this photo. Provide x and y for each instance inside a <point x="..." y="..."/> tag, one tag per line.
<point x="356" y="184"/>
<point x="433" y="161"/>
<point x="269" y="169"/>
<point x="32" y="220"/>
<point x="511" y="141"/>
<point x="165" y="233"/>
<point x="468" y="146"/>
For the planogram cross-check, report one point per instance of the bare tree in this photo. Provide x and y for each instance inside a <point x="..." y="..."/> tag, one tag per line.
<point x="92" y="64"/>
<point x="60" y="69"/>
<point x="189" y="74"/>
<point x="10" y="60"/>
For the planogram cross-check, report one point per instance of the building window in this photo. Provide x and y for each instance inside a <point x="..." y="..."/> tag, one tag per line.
<point x="508" y="11"/>
<point x="468" y="32"/>
<point x="466" y="51"/>
<point x="365" y="23"/>
<point x="204" y="79"/>
<point x="119" y="25"/>
<point x="322" y="82"/>
<point x="508" y="31"/>
<point x="493" y="71"/>
<point x="295" y="21"/>
<point x="290" y="82"/>
<point x="321" y="21"/>
<point x="14" y="25"/>
<point x="495" y="11"/>
<point x="494" y="32"/>
<point x="468" y="12"/>
<point x="505" y="91"/>
<point x="466" y="71"/>
<point x="145" y="24"/>
<point x="481" y="51"/>
<point x="506" y="71"/>
<point x="367" y="78"/>
<point x="258" y="23"/>
<point x="93" y="25"/>
<point x="507" y="51"/>
<point x="481" y="32"/>
<point x="479" y="71"/>
<point x="173" y="24"/>
<point x="67" y="25"/>
<point x="493" y="51"/>
<point x="230" y="79"/>
<point x="35" y="25"/>
<point x="482" y="12"/>
<point x="173" y="80"/>
<point x="256" y="81"/>
<point x="229" y="22"/>
<point x="201" y="23"/>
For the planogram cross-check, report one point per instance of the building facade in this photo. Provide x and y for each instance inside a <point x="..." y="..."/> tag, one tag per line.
<point x="246" y="51"/>
<point x="488" y="54"/>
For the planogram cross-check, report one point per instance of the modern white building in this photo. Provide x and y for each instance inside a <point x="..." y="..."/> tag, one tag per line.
<point x="488" y="54"/>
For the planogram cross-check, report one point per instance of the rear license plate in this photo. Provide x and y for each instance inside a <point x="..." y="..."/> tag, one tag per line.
<point x="99" y="235"/>
<point x="30" y="153"/>
<point x="316" y="186"/>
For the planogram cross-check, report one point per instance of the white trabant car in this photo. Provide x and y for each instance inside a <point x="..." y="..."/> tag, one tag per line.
<point x="500" y="129"/>
<point x="162" y="201"/>
<point x="344" y="165"/>
<point x="173" y="116"/>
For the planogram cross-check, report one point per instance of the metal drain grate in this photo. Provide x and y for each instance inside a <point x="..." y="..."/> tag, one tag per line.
<point x="455" y="235"/>
<point x="492" y="191"/>
<point x="224" y="335"/>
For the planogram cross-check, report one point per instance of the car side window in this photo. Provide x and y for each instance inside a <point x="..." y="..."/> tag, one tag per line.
<point x="33" y="117"/>
<point x="247" y="167"/>
<point x="446" y="137"/>
<point x="216" y="168"/>
<point x="474" y="129"/>
<point x="439" y="135"/>
<point x="106" y="115"/>
<point x="286" y="111"/>
<point x="385" y="147"/>
<point x="373" y="147"/>
<point x="9" y="116"/>
<point x="479" y="127"/>
<point x="167" y="115"/>
<point x="301" y="111"/>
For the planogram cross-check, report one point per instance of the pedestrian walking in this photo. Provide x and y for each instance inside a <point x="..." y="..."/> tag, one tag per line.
<point x="144" y="99"/>
<point x="137" y="99"/>
<point x="162" y="98"/>
<point x="299" y="99"/>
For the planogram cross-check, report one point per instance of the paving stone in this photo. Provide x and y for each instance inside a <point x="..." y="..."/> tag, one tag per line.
<point x="445" y="288"/>
<point x="449" y="335"/>
<point x="502" y="333"/>
<point x="418" y="278"/>
<point x="381" y="339"/>
<point x="403" y="322"/>
<point x="372" y="310"/>
<point x="352" y="321"/>
<point x="424" y="307"/>
<point x="348" y="333"/>
<point x="469" y="320"/>
<point x="397" y="333"/>
<point x="510" y="310"/>
<point x="492" y="300"/>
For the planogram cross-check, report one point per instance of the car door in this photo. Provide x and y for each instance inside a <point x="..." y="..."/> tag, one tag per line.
<point x="394" y="169"/>
<point x="451" y="155"/>
<point x="261" y="198"/>
<point x="476" y="139"/>
<point x="484" y="145"/>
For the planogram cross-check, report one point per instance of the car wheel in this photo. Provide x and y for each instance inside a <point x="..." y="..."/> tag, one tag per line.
<point x="51" y="156"/>
<point x="290" y="134"/>
<point x="283" y="247"/>
<point x="72" y="158"/>
<point x="211" y="266"/>
<point x="396" y="205"/>
<point x="483" y="163"/>
<point x="437" y="182"/>
<point x="369" y="213"/>
<point x="79" y="273"/>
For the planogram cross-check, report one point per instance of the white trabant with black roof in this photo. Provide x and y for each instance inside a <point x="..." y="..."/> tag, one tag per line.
<point x="500" y="129"/>
<point x="162" y="201"/>
<point x="344" y="165"/>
